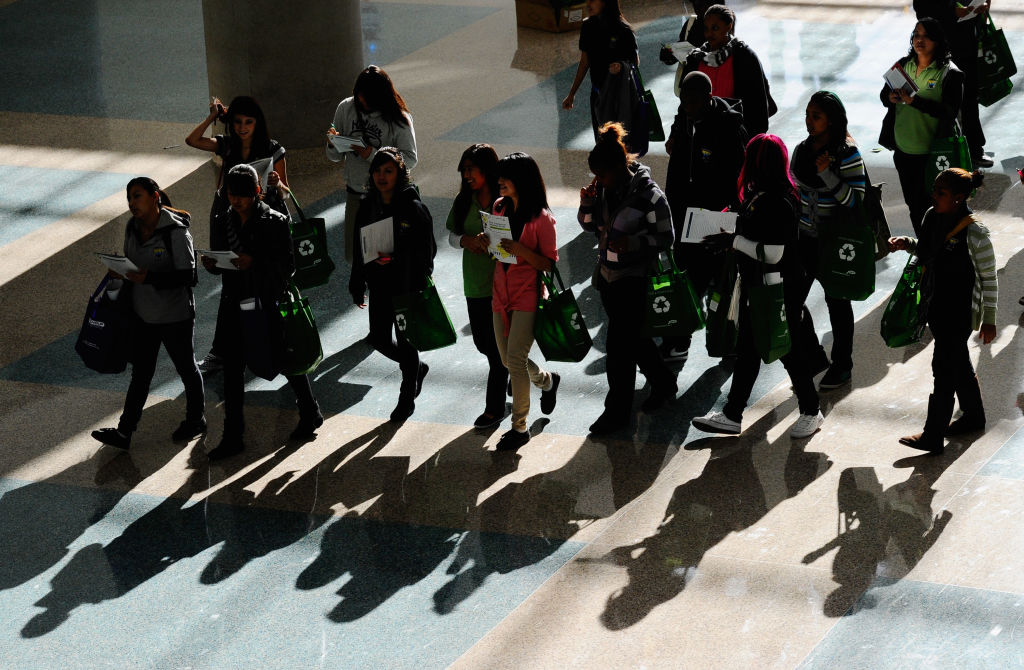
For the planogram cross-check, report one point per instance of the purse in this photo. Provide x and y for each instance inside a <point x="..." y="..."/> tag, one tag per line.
<point x="901" y="321"/>
<point x="558" y="327"/>
<point x="313" y="264"/>
<point x="301" y="352"/>
<point x="104" y="341"/>
<point x="673" y="309"/>
<point x="422" y="320"/>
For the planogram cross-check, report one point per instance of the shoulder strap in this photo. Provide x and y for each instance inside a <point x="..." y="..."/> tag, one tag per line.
<point x="963" y="223"/>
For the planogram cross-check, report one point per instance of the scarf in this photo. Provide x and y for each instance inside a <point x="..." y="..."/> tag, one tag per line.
<point x="719" y="56"/>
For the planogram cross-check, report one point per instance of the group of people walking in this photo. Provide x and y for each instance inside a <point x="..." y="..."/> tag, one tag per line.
<point x="721" y="156"/>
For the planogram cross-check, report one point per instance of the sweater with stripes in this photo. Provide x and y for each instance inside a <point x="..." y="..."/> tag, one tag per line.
<point x="841" y="184"/>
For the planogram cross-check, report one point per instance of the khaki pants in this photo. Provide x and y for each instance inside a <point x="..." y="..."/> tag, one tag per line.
<point x="515" y="354"/>
<point x="352" y="201"/>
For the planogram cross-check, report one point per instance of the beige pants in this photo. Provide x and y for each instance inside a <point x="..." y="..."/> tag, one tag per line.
<point x="515" y="354"/>
<point x="352" y="201"/>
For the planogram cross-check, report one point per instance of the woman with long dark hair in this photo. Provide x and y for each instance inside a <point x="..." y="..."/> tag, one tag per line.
<point x="959" y="290"/>
<point x="606" y="41"/>
<point x="390" y="194"/>
<point x="517" y="287"/>
<point x="829" y="173"/>
<point x="158" y="242"/>
<point x="377" y="116"/>
<point x="630" y="216"/>
<point x="765" y="229"/>
<point x="246" y="139"/>
<point x="478" y="169"/>
<point x="912" y="123"/>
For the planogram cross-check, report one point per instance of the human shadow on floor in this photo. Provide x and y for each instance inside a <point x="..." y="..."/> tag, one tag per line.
<point x="41" y="520"/>
<point x="744" y="478"/>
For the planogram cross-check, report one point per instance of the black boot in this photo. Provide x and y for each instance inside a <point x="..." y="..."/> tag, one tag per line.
<point x="973" y="419"/>
<point x="940" y="410"/>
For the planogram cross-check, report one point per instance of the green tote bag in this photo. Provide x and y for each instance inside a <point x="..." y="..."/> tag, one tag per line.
<point x="846" y="255"/>
<point x="313" y="264"/>
<point x="768" y="323"/>
<point x="901" y="321"/>
<point x="422" y="319"/>
<point x="946" y="152"/>
<point x="673" y="309"/>
<point x="721" y="335"/>
<point x="302" y="352"/>
<point x="558" y="328"/>
<point x="995" y="60"/>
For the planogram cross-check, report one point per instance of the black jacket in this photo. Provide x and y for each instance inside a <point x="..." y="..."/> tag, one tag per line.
<point x="704" y="166"/>
<point x="945" y="110"/>
<point x="413" y="258"/>
<point x="749" y="85"/>
<point x="267" y="238"/>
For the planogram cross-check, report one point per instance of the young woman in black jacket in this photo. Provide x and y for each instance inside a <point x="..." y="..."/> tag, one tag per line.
<point x="390" y="273"/>
<point x="261" y="237"/>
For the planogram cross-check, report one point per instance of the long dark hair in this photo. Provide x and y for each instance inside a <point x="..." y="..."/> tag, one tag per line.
<point x="386" y="155"/>
<point x="148" y="184"/>
<point x="378" y="90"/>
<point x="933" y="29"/>
<point x="485" y="158"/>
<point x="612" y="12"/>
<point x="524" y="173"/>
<point x="766" y="168"/>
<point x="839" y="125"/>
<point x="245" y="105"/>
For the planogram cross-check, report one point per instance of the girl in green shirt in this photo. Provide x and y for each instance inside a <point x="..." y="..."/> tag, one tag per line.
<point x="479" y="170"/>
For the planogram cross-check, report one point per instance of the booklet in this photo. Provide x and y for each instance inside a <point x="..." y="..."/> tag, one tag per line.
<point x="119" y="264"/>
<point x="345" y="143"/>
<point x="699" y="223"/>
<point x="497" y="228"/>
<point x="680" y="50"/>
<point x="377" y="239"/>
<point x="972" y="6"/>
<point x="263" y="167"/>
<point x="223" y="258"/>
<point x="897" y="78"/>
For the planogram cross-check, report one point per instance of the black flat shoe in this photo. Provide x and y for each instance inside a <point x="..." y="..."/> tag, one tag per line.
<point x="923" y="443"/>
<point x="486" y="420"/>
<point x="549" y="397"/>
<point x="512" y="440"/>
<point x="229" y="446"/>
<point x="306" y="429"/>
<point x="188" y="430"/>
<point x="112" y="438"/>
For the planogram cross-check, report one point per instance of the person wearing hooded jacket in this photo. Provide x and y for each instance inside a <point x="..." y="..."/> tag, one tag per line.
<point x="404" y="270"/>
<point x="733" y="67"/>
<point x="158" y="242"/>
<point x="706" y="148"/>
<point x="631" y="218"/>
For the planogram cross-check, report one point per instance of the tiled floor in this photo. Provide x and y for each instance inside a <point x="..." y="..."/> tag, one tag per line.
<point x="386" y="546"/>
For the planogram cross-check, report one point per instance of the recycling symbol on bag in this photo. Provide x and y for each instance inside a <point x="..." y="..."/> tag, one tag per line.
<point x="400" y="321"/>
<point x="942" y="163"/>
<point x="575" y="321"/>
<point x="305" y="248"/>
<point x="990" y="57"/>
<point x="847" y="252"/>
<point x="661" y="305"/>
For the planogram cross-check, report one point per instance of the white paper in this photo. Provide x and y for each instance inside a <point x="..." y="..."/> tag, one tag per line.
<point x="118" y="264"/>
<point x="223" y="258"/>
<point x="377" y="239"/>
<point x="345" y="143"/>
<point x="974" y="5"/>
<point x="680" y="50"/>
<point x="263" y="167"/>
<point x="497" y="228"/>
<point x="699" y="223"/>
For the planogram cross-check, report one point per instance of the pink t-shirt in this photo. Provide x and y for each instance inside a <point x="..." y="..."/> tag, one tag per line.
<point x="517" y="285"/>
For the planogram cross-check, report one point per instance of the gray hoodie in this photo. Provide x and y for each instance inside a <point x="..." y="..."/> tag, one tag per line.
<point x="168" y="257"/>
<point x="376" y="133"/>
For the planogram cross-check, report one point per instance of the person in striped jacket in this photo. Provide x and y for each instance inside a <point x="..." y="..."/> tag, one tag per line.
<point x="630" y="216"/>
<point x="829" y="173"/>
<point x="959" y="291"/>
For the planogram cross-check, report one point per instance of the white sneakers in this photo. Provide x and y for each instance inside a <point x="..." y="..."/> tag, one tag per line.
<point x="716" y="422"/>
<point x="806" y="425"/>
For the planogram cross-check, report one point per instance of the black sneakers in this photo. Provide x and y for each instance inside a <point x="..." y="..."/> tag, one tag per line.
<point x="420" y="374"/>
<point x="512" y="440"/>
<point x="229" y="446"/>
<point x="549" y="397"/>
<point x="112" y="437"/>
<point x="188" y="430"/>
<point x="660" y="395"/>
<point x="306" y="428"/>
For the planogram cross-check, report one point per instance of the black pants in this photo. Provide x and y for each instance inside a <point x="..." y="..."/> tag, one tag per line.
<point x="177" y="339"/>
<point x="916" y="193"/>
<point x="234" y="375"/>
<point x="840" y="314"/>
<point x="481" y="323"/>
<point x="628" y="348"/>
<point x="748" y="363"/>
<point x="382" y="330"/>
<point x="953" y="372"/>
<point x="965" y="56"/>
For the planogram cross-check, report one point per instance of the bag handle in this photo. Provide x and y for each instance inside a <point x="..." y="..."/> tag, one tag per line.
<point x="97" y="295"/>
<point x="295" y="201"/>
<point x="544" y="276"/>
<point x="671" y="261"/>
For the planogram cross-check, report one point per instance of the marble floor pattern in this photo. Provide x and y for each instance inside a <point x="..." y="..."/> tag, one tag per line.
<point x="417" y="545"/>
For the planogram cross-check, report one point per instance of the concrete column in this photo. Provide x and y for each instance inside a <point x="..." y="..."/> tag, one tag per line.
<point x="297" y="59"/>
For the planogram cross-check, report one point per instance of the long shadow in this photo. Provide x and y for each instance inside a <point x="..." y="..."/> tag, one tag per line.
<point x="739" y="485"/>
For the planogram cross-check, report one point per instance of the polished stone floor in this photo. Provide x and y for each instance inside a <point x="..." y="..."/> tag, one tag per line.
<point x="417" y="545"/>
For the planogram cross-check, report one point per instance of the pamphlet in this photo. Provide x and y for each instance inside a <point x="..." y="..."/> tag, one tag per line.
<point x="345" y="143"/>
<point x="497" y="228"/>
<point x="897" y="78"/>
<point x="699" y="223"/>
<point x="377" y="239"/>
<point x="223" y="258"/>
<point x="119" y="264"/>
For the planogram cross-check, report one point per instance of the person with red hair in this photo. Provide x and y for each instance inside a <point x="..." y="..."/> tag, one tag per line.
<point x="767" y="227"/>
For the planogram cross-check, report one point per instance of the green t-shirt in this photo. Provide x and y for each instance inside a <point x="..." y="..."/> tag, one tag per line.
<point x="477" y="269"/>
<point x="915" y="130"/>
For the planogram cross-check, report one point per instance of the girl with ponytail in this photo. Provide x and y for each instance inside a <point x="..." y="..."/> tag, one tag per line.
<point x="630" y="216"/>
